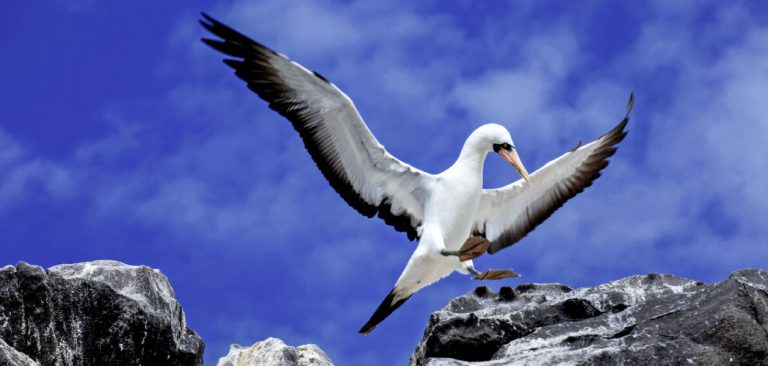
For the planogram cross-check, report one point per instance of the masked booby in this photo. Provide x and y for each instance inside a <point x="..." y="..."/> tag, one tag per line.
<point x="450" y="214"/>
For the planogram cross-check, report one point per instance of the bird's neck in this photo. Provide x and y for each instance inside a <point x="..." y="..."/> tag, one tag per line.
<point x="471" y="158"/>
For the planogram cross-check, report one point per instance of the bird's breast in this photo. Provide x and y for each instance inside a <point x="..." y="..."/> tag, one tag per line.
<point x="453" y="208"/>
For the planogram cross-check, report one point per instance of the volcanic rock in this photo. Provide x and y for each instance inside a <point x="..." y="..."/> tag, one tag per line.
<point x="638" y="320"/>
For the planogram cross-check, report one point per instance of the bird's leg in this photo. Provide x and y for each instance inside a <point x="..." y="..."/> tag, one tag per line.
<point x="473" y="271"/>
<point x="474" y="247"/>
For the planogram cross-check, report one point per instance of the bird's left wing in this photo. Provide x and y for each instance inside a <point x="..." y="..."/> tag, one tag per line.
<point x="509" y="213"/>
<point x="355" y="164"/>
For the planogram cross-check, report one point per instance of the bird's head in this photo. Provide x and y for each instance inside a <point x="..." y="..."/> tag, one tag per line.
<point x="496" y="138"/>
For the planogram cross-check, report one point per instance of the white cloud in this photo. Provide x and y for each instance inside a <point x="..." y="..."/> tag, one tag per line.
<point x="502" y="96"/>
<point x="309" y="29"/>
<point x="515" y="93"/>
<point x="25" y="177"/>
<point x="11" y="150"/>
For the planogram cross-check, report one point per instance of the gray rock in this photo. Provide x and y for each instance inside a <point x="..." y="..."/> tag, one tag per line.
<point x="653" y="319"/>
<point x="94" y="313"/>
<point x="10" y="356"/>
<point x="273" y="352"/>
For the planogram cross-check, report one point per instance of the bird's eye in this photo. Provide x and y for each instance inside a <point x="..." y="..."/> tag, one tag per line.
<point x="506" y="146"/>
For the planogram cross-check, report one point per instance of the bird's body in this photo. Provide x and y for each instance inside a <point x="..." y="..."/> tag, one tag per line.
<point x="448" y="218"/>
<point x="450" y="211"/>
<point x="450" y="214"/>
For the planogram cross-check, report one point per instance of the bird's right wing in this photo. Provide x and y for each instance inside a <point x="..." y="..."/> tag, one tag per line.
<point x="355" y="164"/>
<point x="509" y="213"/>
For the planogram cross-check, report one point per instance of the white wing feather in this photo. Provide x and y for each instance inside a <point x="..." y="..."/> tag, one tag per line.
<point x="356" y="165"/>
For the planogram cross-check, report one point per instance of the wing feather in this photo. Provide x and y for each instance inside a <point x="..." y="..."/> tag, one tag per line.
<point x="508" y="214"/>
<point x="355" y="164"/>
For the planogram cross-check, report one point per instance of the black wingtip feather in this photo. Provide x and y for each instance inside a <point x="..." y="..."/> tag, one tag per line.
<point x="235" y="64"/>
<point x="228" y="34"/>
<point x="208" y="22"/>
<point x="382" y="312"/>
<point x="215" y="44"/>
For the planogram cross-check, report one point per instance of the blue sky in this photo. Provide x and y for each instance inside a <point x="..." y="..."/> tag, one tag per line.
<point x="123" y="137"/>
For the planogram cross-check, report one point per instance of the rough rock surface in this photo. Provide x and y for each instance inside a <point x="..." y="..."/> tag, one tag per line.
<point x="10" y="356"/>
<point x="273" y="352"/>
<point x="653" y="319"/>
<point x="94" y="313"/>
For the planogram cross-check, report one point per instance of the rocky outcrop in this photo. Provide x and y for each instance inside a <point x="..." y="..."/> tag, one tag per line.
<point x="273" y="352"/>
<point x="653" y="319"/>
<point x="94" y="313"/>
<point x="109" y="313"/>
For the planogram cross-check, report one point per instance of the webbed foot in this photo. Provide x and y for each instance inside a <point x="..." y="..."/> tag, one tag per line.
<point x="495" y="274"/>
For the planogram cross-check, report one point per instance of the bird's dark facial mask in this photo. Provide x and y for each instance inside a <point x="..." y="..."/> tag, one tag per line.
<point x="504" y="146"/>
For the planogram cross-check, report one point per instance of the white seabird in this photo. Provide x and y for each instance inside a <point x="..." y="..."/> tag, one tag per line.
<point x="450" y="214"/>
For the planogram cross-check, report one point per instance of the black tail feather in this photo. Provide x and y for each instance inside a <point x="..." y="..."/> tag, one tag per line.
<point x="387" y="307"/>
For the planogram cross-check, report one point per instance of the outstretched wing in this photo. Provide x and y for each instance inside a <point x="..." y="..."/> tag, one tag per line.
<point x="509" y="213"/>
<point x="355" y="164"/>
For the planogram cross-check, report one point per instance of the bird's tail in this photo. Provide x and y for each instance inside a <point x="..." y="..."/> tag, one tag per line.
<point x="390" y="304"/>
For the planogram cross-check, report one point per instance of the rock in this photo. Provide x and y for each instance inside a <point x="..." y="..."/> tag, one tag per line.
<point x="273" y="352"/>
<point x="94" y="313"/>
<point x="653" y="319"/>
<point x="10" y="356"/>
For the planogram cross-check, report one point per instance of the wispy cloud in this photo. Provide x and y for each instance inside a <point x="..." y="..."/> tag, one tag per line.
<point x="78" y="6"/>
<point x="524" y="96"/>
<point x="24" y="177"/>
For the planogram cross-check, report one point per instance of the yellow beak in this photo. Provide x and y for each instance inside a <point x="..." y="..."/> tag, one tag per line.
<point x="512" y="158"/>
